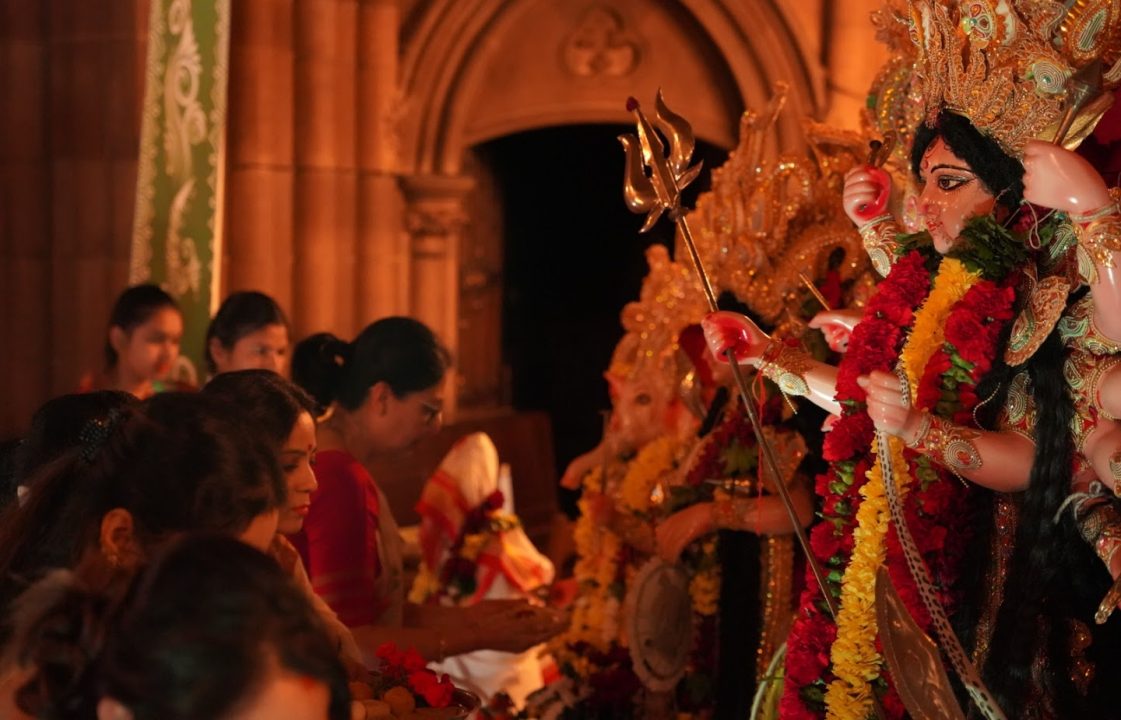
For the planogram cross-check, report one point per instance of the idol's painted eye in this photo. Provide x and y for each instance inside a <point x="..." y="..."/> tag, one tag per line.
<point x="643" y="399"/>
<point x="949" y="183"/>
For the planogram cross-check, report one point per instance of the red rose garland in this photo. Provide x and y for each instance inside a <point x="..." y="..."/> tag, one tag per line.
<point x="934" y="507"/>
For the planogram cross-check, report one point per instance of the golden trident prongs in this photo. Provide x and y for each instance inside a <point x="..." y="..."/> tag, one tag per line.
<point x="660" y="192"/>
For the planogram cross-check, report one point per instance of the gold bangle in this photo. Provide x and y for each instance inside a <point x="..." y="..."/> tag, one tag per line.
<point x="1108" y="603"/>
<point x="948" y="444"/>
<point x="786" y="367"/>
<point x="1110" y="208"/>
<point x="727" y="516"/>
<point x="1100" y="237"/>
<point x="879" y="236"/>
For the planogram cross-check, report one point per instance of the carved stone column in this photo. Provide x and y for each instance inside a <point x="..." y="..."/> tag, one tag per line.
<point x="325" y="191"/>
<point x="382" y="266"/>
<point x="25" y="214"/>
<point x="435" y="219"/>
<point x="260" y="149"/>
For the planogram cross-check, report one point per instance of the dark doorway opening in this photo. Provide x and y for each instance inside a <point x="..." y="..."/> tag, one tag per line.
<point x="573" y="259"/>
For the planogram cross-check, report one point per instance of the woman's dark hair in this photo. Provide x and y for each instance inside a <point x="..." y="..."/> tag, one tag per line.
<point x="398" y="351"/>
<point x="134" y="307"/>
<point x="178" y="462"/>
<point x="1002" y="174"/>
<point x="240" y="314"/>
<point x="271" y="403"/>
<point x="57" y="425"/>
<point x="195" y="635"/>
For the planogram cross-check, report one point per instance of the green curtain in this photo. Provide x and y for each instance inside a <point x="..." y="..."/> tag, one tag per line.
<point x="177" y="229"/>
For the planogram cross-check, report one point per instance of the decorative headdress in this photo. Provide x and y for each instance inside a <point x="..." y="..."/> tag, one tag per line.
<point x="670" y="300"/>
<point x="1016" y="68"/>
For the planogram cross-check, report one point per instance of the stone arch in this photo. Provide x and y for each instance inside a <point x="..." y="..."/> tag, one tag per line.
<point x="475" y="70"/>
<point x="712" y="57"/>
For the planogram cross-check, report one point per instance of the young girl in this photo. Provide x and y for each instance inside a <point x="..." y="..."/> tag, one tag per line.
<point x="249" y="331"/>
<point x="142" y="343"/>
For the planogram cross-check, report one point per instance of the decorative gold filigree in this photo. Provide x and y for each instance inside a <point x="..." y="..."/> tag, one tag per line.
<point x="948" y="444"/>
<point x="879" y="236"/>
<point x="1008" y="66"/>
<point x="786" y="367"/>
<point x="765" y="221"/>
<point x="1100" y="236"/>
<point x="1047" y="298"/>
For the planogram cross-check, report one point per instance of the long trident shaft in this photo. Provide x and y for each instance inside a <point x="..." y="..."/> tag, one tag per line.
<point x="661" y="192"/>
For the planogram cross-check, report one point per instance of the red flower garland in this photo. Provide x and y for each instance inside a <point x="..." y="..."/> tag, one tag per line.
<point x="934" y="506"/>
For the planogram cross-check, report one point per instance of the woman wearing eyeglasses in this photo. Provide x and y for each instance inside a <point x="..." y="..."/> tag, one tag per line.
<point x="379" y="395"/>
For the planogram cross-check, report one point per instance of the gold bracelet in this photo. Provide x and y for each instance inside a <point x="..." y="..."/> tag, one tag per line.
<point x="1108" y="603"/>
<point x="1099" y="524"/>
<point x="1110" y="208"/>
<point x="948" y="444"/>
<point x="1115" y="472"/>
<point x="1100" y="236"/>
<point x="725" y="514"/>
<point x="786" y="366"/>
<point x="879" y="242"/>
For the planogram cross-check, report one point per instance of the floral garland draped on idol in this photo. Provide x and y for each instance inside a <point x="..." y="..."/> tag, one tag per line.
<point x="764" y="224"/>
<point x="944" y="323"/>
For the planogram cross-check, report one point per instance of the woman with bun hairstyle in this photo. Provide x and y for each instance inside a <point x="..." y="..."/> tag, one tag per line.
<point x="249" y="331"/>
<point x="381" y="394"/>
<point x="211" y="629"/>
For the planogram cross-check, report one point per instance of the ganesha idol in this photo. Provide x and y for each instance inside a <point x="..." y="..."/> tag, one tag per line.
<point x="988" y="361"/>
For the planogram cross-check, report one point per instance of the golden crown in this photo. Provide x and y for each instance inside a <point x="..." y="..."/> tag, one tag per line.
<point x="1018" y="69"/>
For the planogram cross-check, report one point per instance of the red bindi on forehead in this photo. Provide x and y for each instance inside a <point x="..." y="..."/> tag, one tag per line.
<point x="925" y="164"/>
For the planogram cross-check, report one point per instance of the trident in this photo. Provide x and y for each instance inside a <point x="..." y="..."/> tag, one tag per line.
<point x="660" y="192"/>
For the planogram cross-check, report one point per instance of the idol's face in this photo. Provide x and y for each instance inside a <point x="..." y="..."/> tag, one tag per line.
<point x="952" y="194"/>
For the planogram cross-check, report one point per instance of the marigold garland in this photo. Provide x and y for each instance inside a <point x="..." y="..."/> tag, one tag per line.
<point x="856" y="661"/>
<point x="944" y="361"/>
<point x="653" y="461"/>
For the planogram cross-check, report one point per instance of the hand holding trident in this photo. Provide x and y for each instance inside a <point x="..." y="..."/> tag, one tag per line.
<point x="660" y="192"/>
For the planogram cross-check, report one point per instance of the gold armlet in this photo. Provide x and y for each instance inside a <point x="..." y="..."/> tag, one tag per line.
<point x="879" y="242"/>
<point x="728" y="514"/>
<point x="1099" y="523"/>
<point x="786" y="366"/>
<point x="1099" y="233"/>
<point x="1100" y="370"/>
<point x="948" y="444"/>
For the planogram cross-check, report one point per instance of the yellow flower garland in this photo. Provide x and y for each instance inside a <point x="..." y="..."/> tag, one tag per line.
<point x="597" y="551"/>
<point x="855" y="660"/>
<point x="704" y="586"/>
<point x="653" y="461"/>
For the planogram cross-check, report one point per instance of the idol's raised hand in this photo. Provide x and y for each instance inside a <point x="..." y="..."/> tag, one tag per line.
<point x="1057" y="178"/>
<point x="836" y="326"/>
<point x="867" y="191"/>
<point x="726" y="331"/>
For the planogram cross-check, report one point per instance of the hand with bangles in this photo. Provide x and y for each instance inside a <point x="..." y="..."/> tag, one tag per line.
<point x="888" y="407"/>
